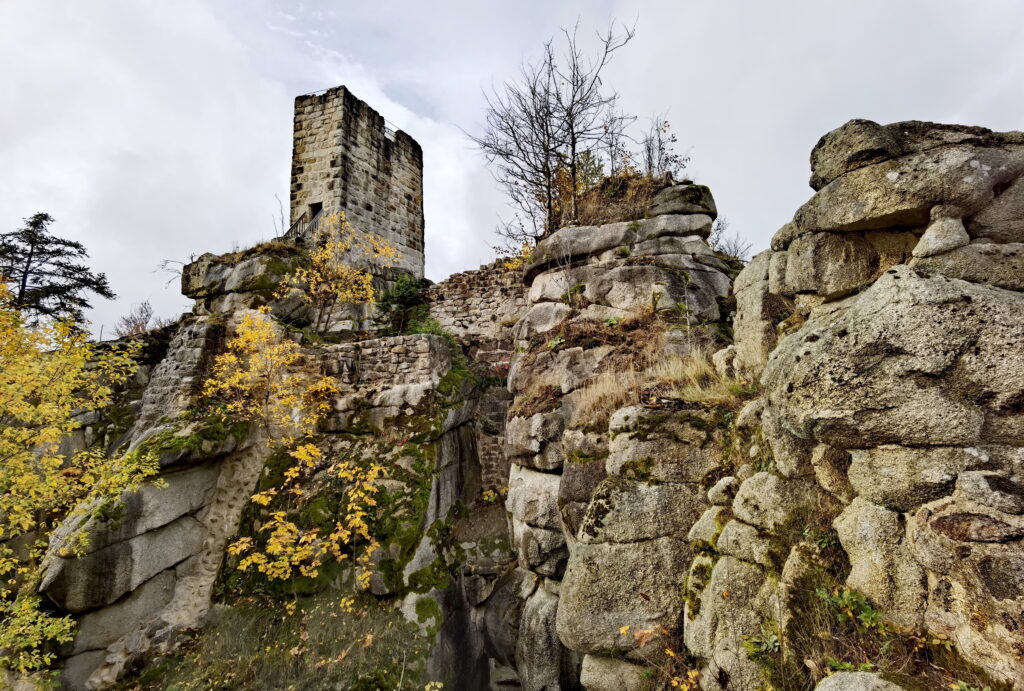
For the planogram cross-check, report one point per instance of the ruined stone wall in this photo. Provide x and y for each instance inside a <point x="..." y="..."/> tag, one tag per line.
<point x="480" y="304"/>
<point x="347" y="159"/>
<point x="480" y="307"/>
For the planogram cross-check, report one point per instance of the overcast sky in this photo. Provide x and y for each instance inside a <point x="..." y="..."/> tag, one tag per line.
<point x="158" y="130"/>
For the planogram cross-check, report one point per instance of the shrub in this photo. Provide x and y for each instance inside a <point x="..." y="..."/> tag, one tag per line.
<point x="403" y="304"/>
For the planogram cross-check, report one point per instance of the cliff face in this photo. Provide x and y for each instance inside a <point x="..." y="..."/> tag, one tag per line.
<point x="892" y="399"/>
<point x="578" y="498"/>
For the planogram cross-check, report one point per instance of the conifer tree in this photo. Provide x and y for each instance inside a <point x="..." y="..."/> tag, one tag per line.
<point x="45" y="274"/>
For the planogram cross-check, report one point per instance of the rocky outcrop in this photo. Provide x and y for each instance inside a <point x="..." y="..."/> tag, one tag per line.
<point x="603" y="490"/>
<point x="582" y="502"/>
<point x="893" y="393"/>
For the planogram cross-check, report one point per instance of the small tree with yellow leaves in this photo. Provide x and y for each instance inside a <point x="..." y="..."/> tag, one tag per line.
<point x="339" y="268"/>
<point x="263" y="378"/>
<point x="49" y="374"/>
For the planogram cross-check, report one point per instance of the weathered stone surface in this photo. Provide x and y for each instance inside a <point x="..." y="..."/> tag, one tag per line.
<point x="834" y="264"/>
<point x="628" y="511"/>
<point x="541" y="318"/>
<point x="567" y="245"/>
<point x="541" y="550"/>
<point x="99" y="629"/>
<point x="78" y="668"/>
<point x="533" y="497"/>
<point x="606" y="674"/>
<point x="1001" y="266"/>
<point x="103" y="576"/>
<point x="683" y="199"/>
<point x="1003" y="219"/>
<point x="758" y="311"/>
<point x="901" y="192"/>
<point x="831" y="467"/>
<point x="662" y="446"/>
<point x="856" y="681"/>
<point x="911" y="361"/>
<point x="943" y="234"/>
<point x="768" y="501"/>
<point x="723" y="491"/>
<point x="902" y="478"/>
<point x="527" y="439"/>
<point x="148" y="508"/>
<point x="856" y="144"/>
<point x="992" y="489"/>
<point x="594" y="605"/>
<point x="706" y="529"/>
<point x="745" y="542"/>
<point x="972" y="553"/>
<point x="882" y="564"/>
<point x="209" y="276"/>
<point x="542" y="661"/>
<point x="716" y="626"/>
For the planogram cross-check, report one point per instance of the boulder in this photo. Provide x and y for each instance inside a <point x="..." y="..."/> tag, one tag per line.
<point x="945" y="233"/>
<point x="1003" y="219"/>
<point x="540" y="550"/>
<point x="972" y="554"/>
<point x="662" y="446"/>
<point x="607" y="674"/>
<point x="834" y="264"/>
<point x="902" y="478"/>
<point x="540" y="319"/>
<point x="608" y="586"/>
<point x="1001" y="266"/>
<point x="541" y="660"/>
<point x="625" y="511"/>
<point x="883" y="566"/>
<point x="683" y="199"/>
<point x="856" y="144"/>
<point x="758" y="311"/>
<point x="705" y="531"/>
<point x="533" y="497"/>
<point x="728" y="601"/>
<point x="856" y="681"/>
<point x="911" y="361"/>
<point x="745" y="542"/>
<point x="769" y="501"/>
<point x="901" y="192"/>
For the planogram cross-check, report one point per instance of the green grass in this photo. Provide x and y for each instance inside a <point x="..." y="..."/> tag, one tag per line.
<point x="258" y="644"/>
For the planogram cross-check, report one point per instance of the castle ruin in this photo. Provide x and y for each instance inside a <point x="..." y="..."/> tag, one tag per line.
<point x="346" y="158"/>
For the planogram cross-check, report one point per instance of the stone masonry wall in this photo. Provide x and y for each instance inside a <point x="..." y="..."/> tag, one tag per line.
<point x="480" y="307"/>
<point x="346" y="159"/>
<point x="484" y="303"/>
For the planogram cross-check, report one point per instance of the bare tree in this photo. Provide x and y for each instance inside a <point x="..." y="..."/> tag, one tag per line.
<point x="139" y="321"/>
<point x="521" y="139"/>
<point x="657" y="146"/>
<point x="584" y="107"/>
<point x="731" y="244"/>
<point x="136" y="322"/>
<point x="541" y="125"/>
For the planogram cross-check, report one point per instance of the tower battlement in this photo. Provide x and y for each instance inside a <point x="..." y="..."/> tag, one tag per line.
<point x="346" y="158"/>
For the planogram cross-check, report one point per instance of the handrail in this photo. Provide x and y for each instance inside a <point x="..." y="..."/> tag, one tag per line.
<point x="304" y="229"/>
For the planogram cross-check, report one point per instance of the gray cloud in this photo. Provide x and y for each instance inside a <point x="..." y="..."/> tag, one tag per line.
<point x="159" y="130"/>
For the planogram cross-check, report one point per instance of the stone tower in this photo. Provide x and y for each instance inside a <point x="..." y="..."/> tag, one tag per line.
<point x="346" y="158"/>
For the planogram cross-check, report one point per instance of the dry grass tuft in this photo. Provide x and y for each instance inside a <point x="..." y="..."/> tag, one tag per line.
<point x="688" y="379"/>
<point x="609" y="391"/>
<point x="621" y="197"/>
